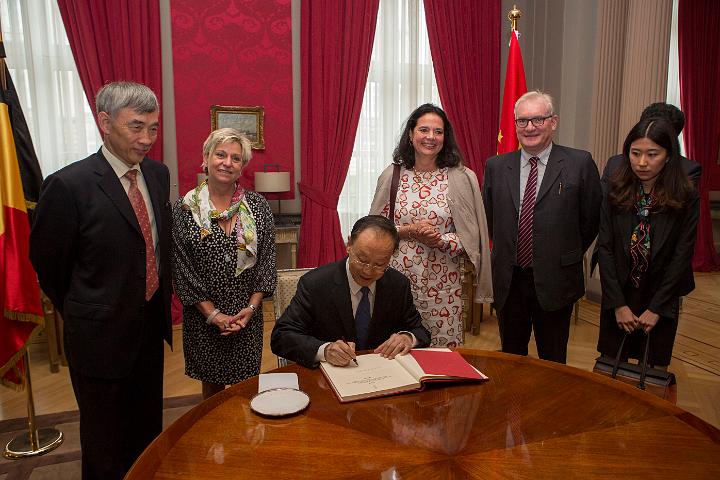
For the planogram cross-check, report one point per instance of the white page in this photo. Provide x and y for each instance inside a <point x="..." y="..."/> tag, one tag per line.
<point x="268" y="381"/>
<point x="374" y="374"/>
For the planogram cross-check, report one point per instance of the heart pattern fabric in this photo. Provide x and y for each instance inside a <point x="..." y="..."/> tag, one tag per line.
<point x="434" y="273"/>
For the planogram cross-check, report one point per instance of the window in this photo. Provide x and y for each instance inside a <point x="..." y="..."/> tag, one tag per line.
<point x="401" y="78"/>
<point x="42" y="67"/>
<point x="673" y="83"/>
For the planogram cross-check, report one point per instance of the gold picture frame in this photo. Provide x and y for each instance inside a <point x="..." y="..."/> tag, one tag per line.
<point x="248" y="120"/>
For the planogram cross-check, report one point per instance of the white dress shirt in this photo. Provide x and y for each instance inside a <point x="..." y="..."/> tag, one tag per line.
<point x="121" y="168"/>
<point x="525" y="171"/>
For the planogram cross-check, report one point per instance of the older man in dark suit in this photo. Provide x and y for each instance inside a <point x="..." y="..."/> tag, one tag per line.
<point x="100" y="246"/>
<point x="356" y="302"/>
<point x="543" y="209"/>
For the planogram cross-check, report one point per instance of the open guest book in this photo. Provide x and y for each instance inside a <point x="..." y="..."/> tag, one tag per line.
<point x="376" y="376"/>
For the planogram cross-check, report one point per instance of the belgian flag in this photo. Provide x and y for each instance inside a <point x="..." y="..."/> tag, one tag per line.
<point x="20" y="181"/>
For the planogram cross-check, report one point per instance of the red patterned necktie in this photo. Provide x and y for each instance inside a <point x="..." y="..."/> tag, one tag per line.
<point x="138" y="204"/>
<point x="525" y="229"/>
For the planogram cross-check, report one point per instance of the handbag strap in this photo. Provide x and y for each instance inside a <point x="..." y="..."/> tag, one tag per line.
<point x="616" y="365"/>
<point x="643" y="365"/>
<point x="643" y="368"/>
<point x="393" y="191"/>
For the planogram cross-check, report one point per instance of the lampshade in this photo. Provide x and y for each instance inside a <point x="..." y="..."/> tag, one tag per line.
<point x="269" y="182"/>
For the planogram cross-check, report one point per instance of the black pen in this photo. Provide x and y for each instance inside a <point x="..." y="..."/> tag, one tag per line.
<point x="346" y="343"/>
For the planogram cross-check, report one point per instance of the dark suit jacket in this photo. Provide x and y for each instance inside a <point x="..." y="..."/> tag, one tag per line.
<point x="88" y="250"/>
<point x="321" y="311"/>
<point x="567" y="212"/>
<point x="669" y="275"/>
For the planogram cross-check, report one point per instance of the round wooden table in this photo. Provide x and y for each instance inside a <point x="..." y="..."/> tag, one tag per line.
<point x="533" y="419"/>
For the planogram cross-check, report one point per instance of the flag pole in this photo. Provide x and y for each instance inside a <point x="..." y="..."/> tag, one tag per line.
<point x="3" y="80"/>
<point x="35" y="441"/>
<point x="515" y="86"/>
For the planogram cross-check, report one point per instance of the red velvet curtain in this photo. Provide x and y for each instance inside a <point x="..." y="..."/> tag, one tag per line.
<point x="465" y="46"/>
<point x="699" y="52"/>
<point x="112" y="41"/>
<point x="336" y="39"/>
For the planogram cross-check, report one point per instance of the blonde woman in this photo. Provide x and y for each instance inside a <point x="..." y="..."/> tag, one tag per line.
<point x="224" y="265"/>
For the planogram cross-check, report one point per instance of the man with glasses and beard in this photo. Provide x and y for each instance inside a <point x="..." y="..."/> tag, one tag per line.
<point x="357" y="303"/>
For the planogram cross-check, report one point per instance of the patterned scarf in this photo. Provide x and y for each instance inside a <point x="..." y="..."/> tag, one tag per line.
<point x="640" y="238"/>
<point x="203" y="212"/>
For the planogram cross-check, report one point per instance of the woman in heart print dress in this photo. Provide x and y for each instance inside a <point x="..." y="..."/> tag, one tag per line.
<point x="440" y="215"/>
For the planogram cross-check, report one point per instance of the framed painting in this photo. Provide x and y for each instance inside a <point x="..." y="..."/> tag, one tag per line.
<point x="248" y="120"/>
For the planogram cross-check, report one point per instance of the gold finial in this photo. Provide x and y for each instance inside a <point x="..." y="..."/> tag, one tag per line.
<point x="514" y="15"/>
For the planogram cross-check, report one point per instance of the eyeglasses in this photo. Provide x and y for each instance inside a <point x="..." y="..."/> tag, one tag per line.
<point x="536" y="121"/>
<point x="368" y="266"/>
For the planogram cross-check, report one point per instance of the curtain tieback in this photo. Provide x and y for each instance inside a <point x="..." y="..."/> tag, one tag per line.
<point x="318" y="196"/>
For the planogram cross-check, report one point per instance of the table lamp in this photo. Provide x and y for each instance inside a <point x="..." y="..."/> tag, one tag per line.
<point x="272" y="182"/>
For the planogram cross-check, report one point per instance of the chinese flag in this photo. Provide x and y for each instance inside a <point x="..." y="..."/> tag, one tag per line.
<point x="514" y="88"/>
<point x="20" y="301"/>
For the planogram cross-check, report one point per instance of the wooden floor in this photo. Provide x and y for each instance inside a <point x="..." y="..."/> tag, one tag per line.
<point x="696" y="358"/>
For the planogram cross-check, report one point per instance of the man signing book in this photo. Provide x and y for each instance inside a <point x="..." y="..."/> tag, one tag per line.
<point x="356" y="303"/>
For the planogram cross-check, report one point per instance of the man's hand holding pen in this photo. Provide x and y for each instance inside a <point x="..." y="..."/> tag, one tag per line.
<point x="340" y="353"/>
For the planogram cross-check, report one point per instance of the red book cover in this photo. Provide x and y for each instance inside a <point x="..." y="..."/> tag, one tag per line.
<point x="450" y="364"/>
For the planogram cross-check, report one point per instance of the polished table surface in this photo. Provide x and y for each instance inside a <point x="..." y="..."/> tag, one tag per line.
<point x="533" y="419"/>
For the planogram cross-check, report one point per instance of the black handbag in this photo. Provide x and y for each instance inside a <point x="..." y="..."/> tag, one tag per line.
<point x="654" y="380"/>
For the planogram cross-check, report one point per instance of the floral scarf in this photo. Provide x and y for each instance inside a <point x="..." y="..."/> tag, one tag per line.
<point x="640" y="238"/>
<point x="203" y="212"/>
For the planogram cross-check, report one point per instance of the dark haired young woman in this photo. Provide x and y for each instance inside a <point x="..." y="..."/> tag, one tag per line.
<point x="439" y="215"/>
<point x="646" y="241"/>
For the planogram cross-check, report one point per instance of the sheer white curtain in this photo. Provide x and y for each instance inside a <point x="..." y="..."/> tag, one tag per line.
<point x="401" y="77"/>
<point x="673" y="84"/>
<point x="43" y="70"/>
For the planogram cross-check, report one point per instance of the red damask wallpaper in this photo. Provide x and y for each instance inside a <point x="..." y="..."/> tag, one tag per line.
<point x="232" y="52"/>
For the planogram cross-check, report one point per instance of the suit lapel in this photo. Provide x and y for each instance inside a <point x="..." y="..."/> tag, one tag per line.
<point x="512" y="176"/>
<point x="154" y="190"/>
<point x="110" y="184"/>
<point x="552" y="171"/>
<point x="341" y="295"/>
<point x="659" y="224"/>
<point x="625" y="227"/>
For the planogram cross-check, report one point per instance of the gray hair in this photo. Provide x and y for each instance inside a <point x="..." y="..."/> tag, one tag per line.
<point x="225" y="135"/>
<point x="113" y="97"/>
<point x="537" y="95"/>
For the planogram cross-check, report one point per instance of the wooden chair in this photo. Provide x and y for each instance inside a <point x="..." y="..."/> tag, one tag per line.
<point x="472" y="312"/>
<point x="54" y="335"/>
<point x="586" y="276"/>
<point x="287" y="280"/>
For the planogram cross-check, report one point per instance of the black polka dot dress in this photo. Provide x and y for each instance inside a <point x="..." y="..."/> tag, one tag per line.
<point x="205" y="270"/>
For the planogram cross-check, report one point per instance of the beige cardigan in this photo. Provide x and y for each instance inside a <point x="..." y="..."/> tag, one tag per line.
<point x="468" y="213"/>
